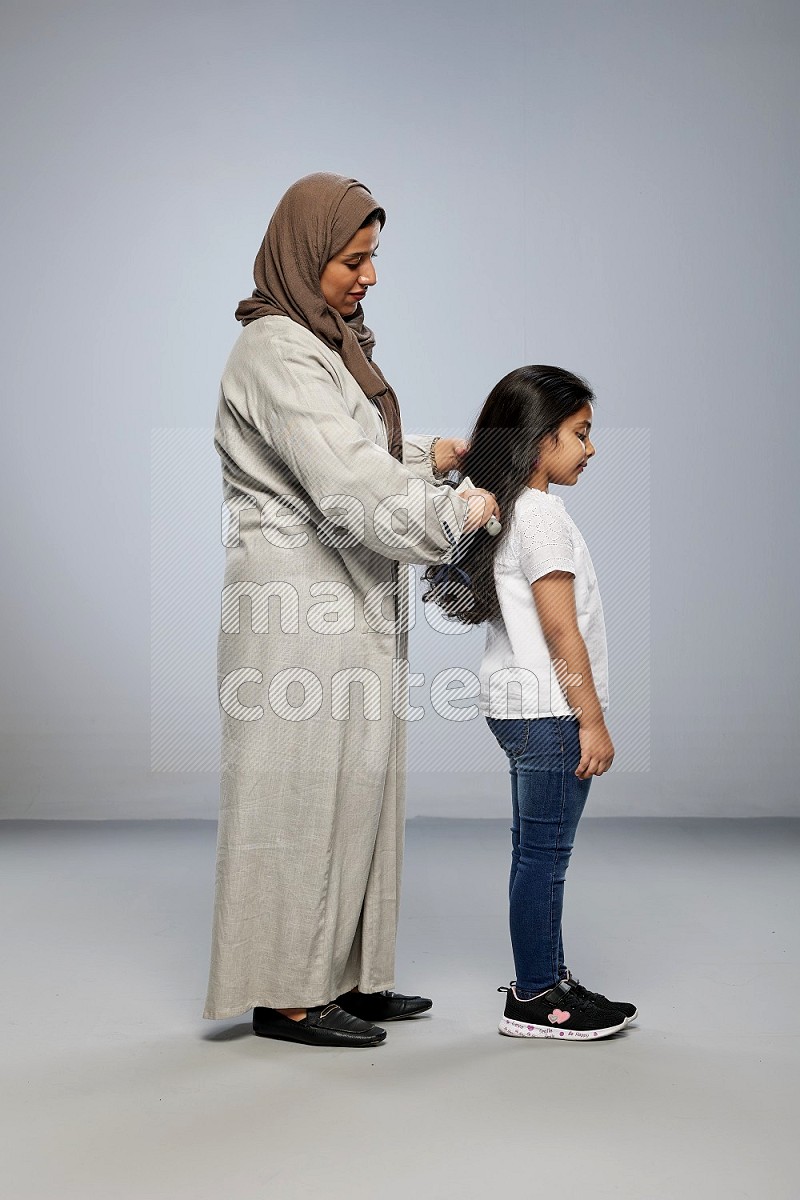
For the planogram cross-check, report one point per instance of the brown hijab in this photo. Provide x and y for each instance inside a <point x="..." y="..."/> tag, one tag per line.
<point x="315" y="219"/>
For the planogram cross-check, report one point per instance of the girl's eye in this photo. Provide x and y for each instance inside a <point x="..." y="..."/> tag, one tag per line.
<point x="582" y="436"/>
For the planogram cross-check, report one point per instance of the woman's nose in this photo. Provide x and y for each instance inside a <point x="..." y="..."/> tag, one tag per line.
<point x="368" y="276"/>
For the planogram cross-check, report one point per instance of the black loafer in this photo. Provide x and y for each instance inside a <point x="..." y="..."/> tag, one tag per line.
<point x="326" y="1025"/>
<point x="383" y="1006"/>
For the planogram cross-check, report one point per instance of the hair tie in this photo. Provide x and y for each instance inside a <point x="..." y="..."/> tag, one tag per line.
<point x="442" y="575"/>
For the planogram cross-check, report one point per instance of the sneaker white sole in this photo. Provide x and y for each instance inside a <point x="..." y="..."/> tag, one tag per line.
<point x="523" y="1029"/>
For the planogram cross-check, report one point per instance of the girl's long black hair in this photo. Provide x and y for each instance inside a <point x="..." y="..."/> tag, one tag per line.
<point x="525" y="407"/>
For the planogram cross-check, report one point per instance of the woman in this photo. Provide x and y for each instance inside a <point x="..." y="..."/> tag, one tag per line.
<point x="316" y="472"/>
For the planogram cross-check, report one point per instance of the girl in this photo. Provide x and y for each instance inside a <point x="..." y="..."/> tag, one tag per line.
<point x="543" y="674"/>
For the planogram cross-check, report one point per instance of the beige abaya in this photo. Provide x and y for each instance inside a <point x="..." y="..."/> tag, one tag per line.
<point x="312" y="664"/>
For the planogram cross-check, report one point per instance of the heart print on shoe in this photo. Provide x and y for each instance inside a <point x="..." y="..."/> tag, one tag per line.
<point x="557" y="1017"/>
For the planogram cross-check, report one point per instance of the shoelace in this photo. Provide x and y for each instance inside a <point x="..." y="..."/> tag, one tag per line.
<point x="584" y="991"/>
<point x="578" y="996"/>
<point x="581" y="1000"/>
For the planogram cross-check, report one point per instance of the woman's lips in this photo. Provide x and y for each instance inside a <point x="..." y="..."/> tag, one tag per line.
<point x="356" y="295"/>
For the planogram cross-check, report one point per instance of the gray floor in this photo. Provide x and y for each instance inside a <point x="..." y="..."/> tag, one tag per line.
<point x="114" y="1087"/>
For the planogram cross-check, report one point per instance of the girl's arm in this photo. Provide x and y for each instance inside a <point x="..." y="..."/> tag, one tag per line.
<point x="554" y="597"/>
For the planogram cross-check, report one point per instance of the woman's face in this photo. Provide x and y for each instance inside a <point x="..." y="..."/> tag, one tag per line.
<point x="346" y="277"/>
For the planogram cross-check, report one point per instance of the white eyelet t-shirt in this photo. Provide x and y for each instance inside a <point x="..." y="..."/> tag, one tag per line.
<point x="516" y="675"/>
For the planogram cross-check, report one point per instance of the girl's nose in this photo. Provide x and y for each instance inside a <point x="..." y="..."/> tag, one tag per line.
<point x="368" y="277"/>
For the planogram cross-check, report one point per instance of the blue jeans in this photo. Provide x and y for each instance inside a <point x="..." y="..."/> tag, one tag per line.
<point x="547" y="800"/>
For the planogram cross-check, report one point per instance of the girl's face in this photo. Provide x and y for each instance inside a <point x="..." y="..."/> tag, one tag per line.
<point x="562" y="460"/>
<point x="346" y="277"/>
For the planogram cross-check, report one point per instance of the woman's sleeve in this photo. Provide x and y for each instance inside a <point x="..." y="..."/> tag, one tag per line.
<point x="417" y="456"/>
<point x="544" y="544"/>
<point x="296" y="403"/>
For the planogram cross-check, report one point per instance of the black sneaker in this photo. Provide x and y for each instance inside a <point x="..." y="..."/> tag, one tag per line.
<point x="629" y="1011"/>
<point x="562" y="1012"/>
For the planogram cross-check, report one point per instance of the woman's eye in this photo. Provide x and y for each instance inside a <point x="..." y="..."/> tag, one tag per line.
<point x="582" y="436"/>
<point x="355" y="265"/>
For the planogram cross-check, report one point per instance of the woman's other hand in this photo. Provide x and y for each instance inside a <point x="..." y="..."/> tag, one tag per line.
<point x="449" y="453"/>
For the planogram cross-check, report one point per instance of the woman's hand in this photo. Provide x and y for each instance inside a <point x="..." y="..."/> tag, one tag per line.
<point x="480" y="506"/>
<point x="449" y="453"/>
<point x="597" y="750"/>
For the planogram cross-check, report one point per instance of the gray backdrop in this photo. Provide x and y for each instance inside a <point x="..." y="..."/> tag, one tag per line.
<point x="606" y="186"/>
